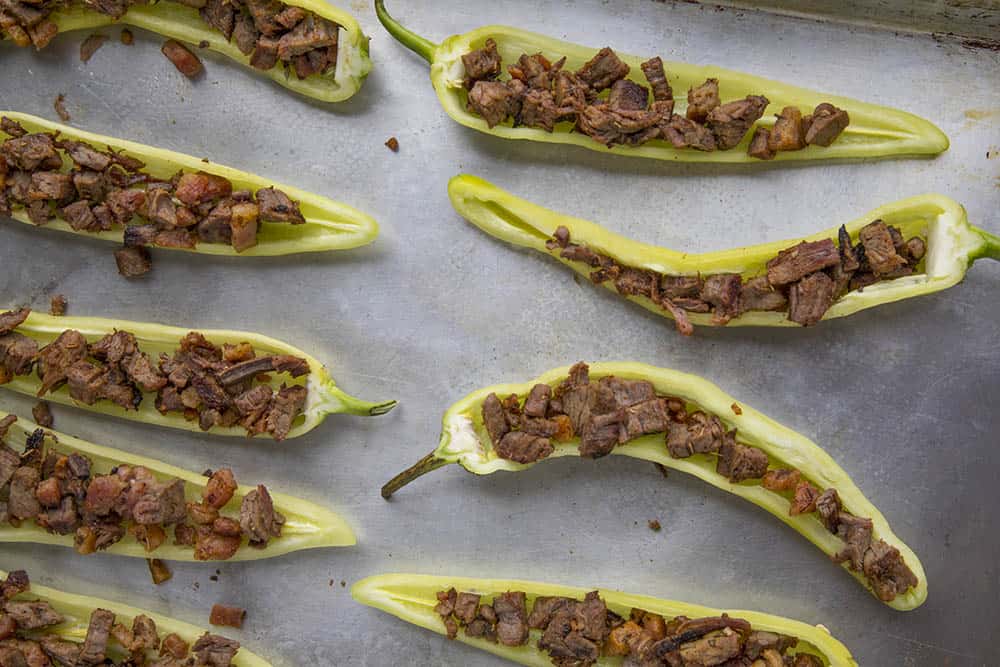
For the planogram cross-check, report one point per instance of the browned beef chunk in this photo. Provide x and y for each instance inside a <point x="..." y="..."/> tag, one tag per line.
<point x="702" y="100"/>
<point x="614" y="393"/>
<point x="290" y="16"/>
<point x="730" y="122"/>
<point x="545" y="608"/>
<point x="220" y="488"/>
<point x="684" y="133"/>
<point x="580" y="253"/>
<point x="31" y="152"/>
<point x="657" y="78"/>
<point x="781" y="479"/>
<point x="495" y="419"/>
<point x="856" y="532"/>
<point x="32" y="614"/>
<point x="601" y="433"/>
<point x="915" y="249"/>
<point x="12" y="319"/>
<point x="592" y="617"/>
<point x="633" y="282"/>
<point x="113" y="8"/>
<point x="173" y="646"/>
<point x="51" y="185"/>
<point x="214" y="651"/>
<point x="312" y="32"/>
<point x="39" y="212"/>
<point x="124" y="204"/>
<point x="848" y="255"/>
<point x="210" y="545"/>
<point x="603" y="70"/>
<point x="222" y="614"/>
<point x="97" y="536"/>
<point x="700" y="434"/>
<point x="245" y="34"/>
<point x="810" y="298"/>
<point x="258" y="519"/>
<point x="492" y="100"/>
<point x="806" y="660"/>
<point x="96" y="643"/>
<point x="523" y="447"/>
<point x="887" y="572"/>
<point x="446" y="602"/>
<point x="22" y="503"/>
<point x="714" y="648"/>
<point x="482" y="63"/>
<point x="287" y="405"/>
<point x="787" y="133"/>
<point x="537" y="402"/>
<point x="160" y="207"/>
<point x="220" y="15"/>
<point x="183" y="59"/>
<point x="62" y="520"/>
<point x="570" y="93"/>
<point x="80" y="216"/>
<point x="880" y="251"/>
<point x="610" y="126"/>
<point x="163" y="504"/>
<point x="757" y="294"/>
<point x="538" y="109"/>
<point x="627" y="95"/>
<point x="86" y="156"/>
<point x="799" y="261"/>
<point x="512" y="624"/>
<point x="133" y="261"/>
<point x="89" y="383"/>
<point x="827" y="123"/>
<point x="197" y="188"/>
<point x="9" y="462"/>
<point x="722" y="290"/>
<point x="89" y="184"/>
<point x="18" y="185"/>
<point x="577" y="396"/>
<point x="62" y="651"/>
<point x="265" y="14"/>
<point x="265" y="54"/>
<point x="464" y="605"/>
<point x="740" y="462"/>
<point x="11" y="127"/>
<point x="676" y="287"/>
<point x="17" y="582"/>
<point x="759" y="144"/>
<point x="828" y="508"/>
<point x="276" y="206"/>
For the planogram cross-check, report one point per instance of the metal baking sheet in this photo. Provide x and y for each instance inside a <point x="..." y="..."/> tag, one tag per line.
<point x="904" y="397"/>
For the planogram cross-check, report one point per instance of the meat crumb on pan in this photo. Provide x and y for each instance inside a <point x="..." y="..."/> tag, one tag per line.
<point x="57" y="305"/>
<point x="186" y="62"/>
<point x="60" y="106"/>
<point x="90" y="45"/>
<point x="226" y="615"/>
<point x="737" y="410"/>
<point x="158" y="570"/>
<point x="133" y="261"/>
<point x="127" y="37"/>
<point x="392" y="143"/>
<point x="654" y="525"/>
<point x="42" y="414"/>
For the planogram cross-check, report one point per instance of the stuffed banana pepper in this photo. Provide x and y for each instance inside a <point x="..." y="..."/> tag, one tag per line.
<point x="540" y="624"/>
<point x="310" y="47"/>
<point x="43" y="626"/>
<point x="557" y="92"/>
<point x="686" y="423"/>
<point x="224" y="382"/>
<point x="63" y="178"/>
<point x="65" y="491"/>
<point x="909" y="248"/>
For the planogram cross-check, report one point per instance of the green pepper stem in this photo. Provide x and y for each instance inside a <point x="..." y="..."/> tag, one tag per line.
<point x="991" y="248"/>
<point x="421" y="467"/>
<point x="414" y="42"/>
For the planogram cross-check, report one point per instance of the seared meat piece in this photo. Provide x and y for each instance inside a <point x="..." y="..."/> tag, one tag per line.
<point x="173" y="646"/>
<point x="610" y="126"/>
<point x="601" y="434"/>
<point x="89" y="383"/>
<point x="55" y="359"/>
<point x="258" y="519"/>
<point x="633" y="282"/>
<point x="512" y="625"/>
<point x="848" y="255"/>
<point x="757" y="294"/>
<point x="446" y="603"/>
<point x="828" y="508"/>
<point x="220" y="15"/>
<point x="290" y="16"/>
<point x="627" y="95"/>
<point x="160" y="207"/>
<point x="80" y="217"/>
<point x="133" y="261"/>
<point x="579" y="253"/>
<point x="760" y="144"/>
<point x="676" y="287"/>
<point x="210" y="392"/>
<point x="313" y="32"/>
<point x="31" y="152"/>
<point x="538" y="109"/>
<point x="545" y="608"/>
<point x="124" y="204"/>
<point x="614" y="393"/>
<point x="537" y="402"/>
<point x="740" y="462"/>
<point x="265" y="14"/>
<point x="12" y="319"/>
<point x="722" y="290"/>
<point x="856" y="532"/>
<point x="495" y="419"/>
<point x="276" y="206"/>
<point x="570" y="94"/>
<point x="96" y="643"/>
<point x="760" y="640"/>
<point x="89" y="184"/>
<point x="47" y="492"/>
<point x="102" y="494"/>
<point x="810" y="298"/>
<point x="282" y="363"/>
<point x="684" y="133"/>
<point x="86" y="156"/>
<point x="652" y="69"/>
<point x="713" y="649"/>
<point x="592" y="617"/>
<point x="523" y="447"/>
<point x="222" y="614"/>
<point x="803" y="499"/>
<point x="51" y="185"/>
<point x="245" y="34"/>
<point x="9" y="462"/>
<point x="214" y="651"/>
<point x="61" y="520"/>
<point x="220" y="488"/>
<point x="730" y="122"/>
<point x="286" y="406"/>
<point x="62" y="651"/>
<point x="799" y="261"/>
<point x="12" y="127"/>
<point x="162" y="503"/>
<point x="482" y="63"/>
<point x="787" y="133"/>
<point x="702" y="100"/>
<point x="880" y="251"/>
<point x="535" y="71"/>
<point x="265" y="54"/>
<point x="603" y="70"/>
<point x="198" y="188"/>
<point x="32" y="614"/>
<point x="213" y="546"/>
<point x="186" y="62"/>
<point x="886" y="571"/>
<point x="826" y="124"/>
<point x="492" y="100"/>
<point x="781" y="479"/>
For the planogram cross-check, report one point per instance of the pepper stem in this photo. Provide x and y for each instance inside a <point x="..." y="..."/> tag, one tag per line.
<point x="421" y="467"/>
<point x="414" y="42"/>
<point x="992" y="247"/>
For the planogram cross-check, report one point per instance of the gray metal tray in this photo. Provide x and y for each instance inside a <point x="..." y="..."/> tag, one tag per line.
<point x="904" y="396"/>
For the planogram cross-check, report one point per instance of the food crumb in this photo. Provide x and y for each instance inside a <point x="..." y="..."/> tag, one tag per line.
<point x="663" y="469"/>
<point x="343" y="583"/>
<point x="160" y="572"/>
<point x="214" y="577"/>
<point x="57" y="305"/>
<point x="392" y="143"/>
<point x="737" y="409"/>
<point x="90" y="45"/>
<point x="60" y="107"/>
<point x="331" y="583"/>
<point x="223" y="614"/>
<point x="203" y="44"/>
<point x="654" y="525"/>
<point x="127" y="37"/>
<point x="42" y="414"/>
<point x="186" y="62"/>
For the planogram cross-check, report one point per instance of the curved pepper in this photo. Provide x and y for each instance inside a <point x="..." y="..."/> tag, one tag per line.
<point x="952" y="245"/>
<point x="329" y="225"/>
<point x="307" y="525"/>
<point x="874" y="131"/>
<point x="324" y="396"/>
<point x="76" y="610"/>
<point x="177" y="21"/>
<point x="464" y="440"/>
<point x="411" y="597"/>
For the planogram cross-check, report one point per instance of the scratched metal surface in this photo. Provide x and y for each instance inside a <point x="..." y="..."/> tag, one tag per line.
<point x="904" y="397"/>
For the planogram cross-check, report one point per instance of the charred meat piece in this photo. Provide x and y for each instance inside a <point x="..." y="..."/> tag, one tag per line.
<point x="810" y="298"/>
<point x="799" y="261"/>
<point x="702" y="99"/>
<point x="265" y="53"/>
<point x="730" y="122"/>
<point x="198" y="188"/>
<point x="652" y="69"/>
<point x="627" y="95"/>
<point x="219" y="14"/>
<point x="603" y="70"/>
<point x="826" y="125"/>
<point x="880" y="250"/>
<point x="276" y="206"/>
<point x="538" y="109"/>
<point x="482" y="63"/>
<point x="495" y="419"/>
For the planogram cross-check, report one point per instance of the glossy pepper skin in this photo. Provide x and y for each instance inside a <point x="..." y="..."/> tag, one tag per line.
<point x="307" y="525"/>
<point x="952" y="245"/>
<point x="464" y="440"/>
<point x="411" y="597"/>
<point x="874" y="131"/>
<point x="324" y="396"/>
<point x="329" y="225"/>
<point x="76" y="609"/>
<point x="177" y="21"/>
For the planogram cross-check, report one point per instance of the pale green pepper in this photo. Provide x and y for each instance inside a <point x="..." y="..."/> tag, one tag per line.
<point x="464" y="440"/>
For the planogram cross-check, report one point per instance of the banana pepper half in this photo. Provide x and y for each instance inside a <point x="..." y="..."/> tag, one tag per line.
<point x="177" y="21"/>
<point x="330" y="225"/>
<point x="874" y="131"/>
<point x="411" y="597"/>
<point x="952" y="245"/>
<point x="324" y="396"/>
<point x="464" y="440"/>
<point x="307" y="525"/>
<point x="76" y="610"/>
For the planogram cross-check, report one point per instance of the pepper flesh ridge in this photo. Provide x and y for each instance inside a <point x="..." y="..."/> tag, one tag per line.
<point x="324" y="396"/>
<point x="411" y="597"/>
<point x="952" y="245"/>
<point x="307" y="525"/>
<point x="76" y="610"/>
<point x="874" y="131"/>
<point x="330" y="225"/>
<point x="183" y="23"/>
<point x="465" y="441"/>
